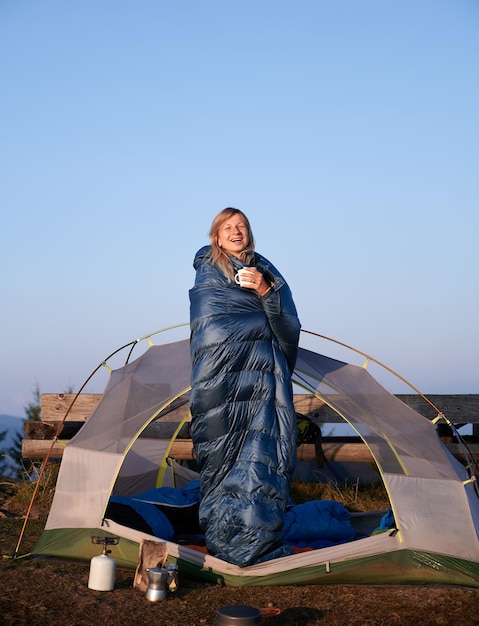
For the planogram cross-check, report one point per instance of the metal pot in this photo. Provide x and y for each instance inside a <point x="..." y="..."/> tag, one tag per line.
<point x="238" y="615"/>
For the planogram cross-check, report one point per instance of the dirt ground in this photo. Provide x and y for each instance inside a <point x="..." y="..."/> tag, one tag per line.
<point x="36" y="592"/>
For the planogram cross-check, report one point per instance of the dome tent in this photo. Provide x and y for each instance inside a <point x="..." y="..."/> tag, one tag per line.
<point x="433" y="499"/>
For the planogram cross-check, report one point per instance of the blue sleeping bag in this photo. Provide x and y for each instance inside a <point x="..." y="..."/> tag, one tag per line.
<point x="318" y="524"/>
<point x="167" y="512"/>
<point x="243" y="351"/>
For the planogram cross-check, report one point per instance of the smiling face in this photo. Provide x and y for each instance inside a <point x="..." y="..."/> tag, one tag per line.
<point x="233" y="235"/>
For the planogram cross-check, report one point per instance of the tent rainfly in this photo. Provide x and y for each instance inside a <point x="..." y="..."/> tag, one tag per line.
<point x="122" y="451"/>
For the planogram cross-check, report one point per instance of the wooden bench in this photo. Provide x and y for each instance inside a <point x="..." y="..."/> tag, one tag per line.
<point x="40" y="438"/>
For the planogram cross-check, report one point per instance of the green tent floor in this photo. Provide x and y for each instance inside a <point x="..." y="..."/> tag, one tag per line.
<point x="400" y="567"/>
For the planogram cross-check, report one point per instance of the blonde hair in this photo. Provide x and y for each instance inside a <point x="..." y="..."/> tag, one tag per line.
<point x="218" y="256"/>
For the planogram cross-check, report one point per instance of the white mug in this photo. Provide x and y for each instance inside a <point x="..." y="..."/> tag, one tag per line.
<point x="243" y="276"/>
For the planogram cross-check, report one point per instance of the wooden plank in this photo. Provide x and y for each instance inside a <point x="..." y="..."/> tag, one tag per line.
<point x="49" y="430"/>
<point x="459" y="408"/>
<point x="55" y="405"/>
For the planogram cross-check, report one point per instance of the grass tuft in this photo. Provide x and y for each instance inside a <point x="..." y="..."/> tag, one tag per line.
<point x="356" y="496"/>
<point x="45" y="486"/>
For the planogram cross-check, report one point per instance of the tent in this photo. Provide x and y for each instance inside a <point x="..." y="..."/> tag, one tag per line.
<point x="123" y="448"/>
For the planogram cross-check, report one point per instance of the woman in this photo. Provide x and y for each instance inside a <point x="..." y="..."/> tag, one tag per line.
<point x="244" y="340"/>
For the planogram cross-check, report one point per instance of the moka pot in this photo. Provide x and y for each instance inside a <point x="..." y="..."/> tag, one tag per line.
<point x="157" y="584"/>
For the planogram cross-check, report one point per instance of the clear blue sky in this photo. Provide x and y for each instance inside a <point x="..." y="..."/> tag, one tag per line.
<point x="347" y="131"/>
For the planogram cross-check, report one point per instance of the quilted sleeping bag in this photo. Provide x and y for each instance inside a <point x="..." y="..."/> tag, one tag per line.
<point x="243" y="351"/>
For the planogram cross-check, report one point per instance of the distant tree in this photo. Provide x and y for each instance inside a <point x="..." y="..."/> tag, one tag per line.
<point x="3" y="453"/>
<point x="14" y="454"/>
<point x="33" y="412"/>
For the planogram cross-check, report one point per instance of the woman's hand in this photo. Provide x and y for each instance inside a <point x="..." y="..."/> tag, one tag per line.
<point x="255" y="280"/>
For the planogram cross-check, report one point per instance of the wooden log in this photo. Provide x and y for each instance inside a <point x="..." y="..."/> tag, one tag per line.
<point x="182" y="449"/>
<point x="40" y="448"/>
